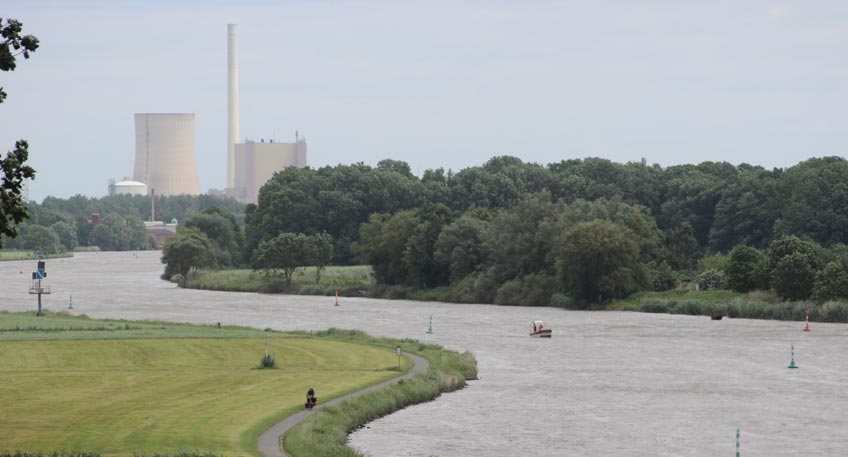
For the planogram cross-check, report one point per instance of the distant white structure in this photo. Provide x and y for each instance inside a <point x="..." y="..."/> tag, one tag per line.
<point x="232" y="101"/>
<point x="164" y="153"/>
<point x="129" y="188"/>
<point x="256" y="163"/>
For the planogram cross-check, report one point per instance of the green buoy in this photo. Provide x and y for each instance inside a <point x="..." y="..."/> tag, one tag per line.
<point x="430" y="329"/>
<point x="792" y="361"/>
<point x="70" y="302"/>
<point x="737" y="442"/>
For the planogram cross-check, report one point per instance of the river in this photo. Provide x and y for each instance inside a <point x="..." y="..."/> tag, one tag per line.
<point x="606" y="384"/>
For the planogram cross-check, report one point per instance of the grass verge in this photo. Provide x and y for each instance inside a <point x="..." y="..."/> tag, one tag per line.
<point x="325" y="433"/>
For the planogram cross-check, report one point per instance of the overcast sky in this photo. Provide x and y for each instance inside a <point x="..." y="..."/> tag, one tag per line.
<point x="436" y="84"/>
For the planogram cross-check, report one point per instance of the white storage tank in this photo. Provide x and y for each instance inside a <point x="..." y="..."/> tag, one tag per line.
<point x="130" y="188"/>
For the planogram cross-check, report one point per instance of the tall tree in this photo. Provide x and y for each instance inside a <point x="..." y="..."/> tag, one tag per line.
<point x="745" y="269"/>
<point x="13" y="170"/>
<point x="793" y="264"/>
<point x="599" y="260"/>
<point x="186" y="252"/>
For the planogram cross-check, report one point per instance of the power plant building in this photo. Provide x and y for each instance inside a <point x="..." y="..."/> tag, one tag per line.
<point x="255" y="163"/>
<point x="250" y="164"/>
<point x="164" y="153"/>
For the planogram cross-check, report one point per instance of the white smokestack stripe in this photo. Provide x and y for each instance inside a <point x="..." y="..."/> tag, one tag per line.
<point x="232" y="100"/>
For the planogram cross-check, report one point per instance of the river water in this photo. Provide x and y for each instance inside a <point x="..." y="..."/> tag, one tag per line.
<point x="606" y="384"/>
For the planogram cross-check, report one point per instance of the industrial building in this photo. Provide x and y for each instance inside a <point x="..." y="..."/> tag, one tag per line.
<point x="255" y="163"/>
<point x="164" y="153"/>
<point x="251" y="164"/>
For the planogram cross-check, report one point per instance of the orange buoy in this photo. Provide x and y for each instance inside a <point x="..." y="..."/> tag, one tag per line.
<point x="807" y="323"/>
<point x="337" y="297"/>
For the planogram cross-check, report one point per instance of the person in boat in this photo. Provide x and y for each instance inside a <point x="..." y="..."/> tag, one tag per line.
<point x="311" y="399"/>
<point x="534" y="327"/>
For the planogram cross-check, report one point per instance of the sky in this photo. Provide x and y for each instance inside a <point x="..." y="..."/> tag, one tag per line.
<point x="436" y="84"/>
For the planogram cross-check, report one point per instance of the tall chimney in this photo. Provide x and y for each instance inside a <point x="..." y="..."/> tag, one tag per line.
<point x="232" y="100"/>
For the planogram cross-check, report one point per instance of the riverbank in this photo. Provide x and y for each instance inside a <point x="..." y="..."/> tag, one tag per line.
<point x="201" y="380"/>
<point x="326" y="433"/>
<point x="357" y="281"/>
<point x="725" y="303"/>
<point x="8" y="255"/>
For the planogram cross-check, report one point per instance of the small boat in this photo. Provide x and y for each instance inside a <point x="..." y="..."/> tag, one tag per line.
<point x="539" y="330"/>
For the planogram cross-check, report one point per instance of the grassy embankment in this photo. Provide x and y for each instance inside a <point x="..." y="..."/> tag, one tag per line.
<point x="29" y="255"/>
<point x="121" y="388"/>
<point x="358" y="281"/>
<point x="350" y="281"/>
<point x="325" y="433"/>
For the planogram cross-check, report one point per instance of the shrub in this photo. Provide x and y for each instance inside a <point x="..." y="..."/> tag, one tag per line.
<point x="315" y="289"/>
<point x="463" y="291"/>
<point x="831" y="282"/>
<point x="268" y="361"/>
<point x="530" y="290"/>
<point x="509" y="293"/>
<point x="744" y="270"/>
<point x="561" y="300"/>
<point x="710" y="280"/>
<point x="654" y="307"/>
<point x="662" y="277"/>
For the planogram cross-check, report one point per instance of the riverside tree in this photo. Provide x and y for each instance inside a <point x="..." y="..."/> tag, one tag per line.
<point x="13" y="168"/>
<point x="186" y="252"/>
<point x="745" y="269"/>
<point x="285" y="253"/>
<point x="599" y="260"/>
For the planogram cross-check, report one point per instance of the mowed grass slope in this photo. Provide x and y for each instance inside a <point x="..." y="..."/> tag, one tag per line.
<point x="121" y="392"/>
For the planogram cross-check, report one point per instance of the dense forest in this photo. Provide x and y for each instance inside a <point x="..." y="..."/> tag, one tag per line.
<point x="578" y="230"/>
<point x="58" y="224"/>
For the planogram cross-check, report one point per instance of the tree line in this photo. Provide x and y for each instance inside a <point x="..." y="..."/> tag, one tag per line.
<point x="63" y="224"/>
<point x="578" y="230"/>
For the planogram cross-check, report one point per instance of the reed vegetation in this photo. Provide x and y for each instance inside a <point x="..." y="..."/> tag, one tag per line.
<point x="752" y="305"/>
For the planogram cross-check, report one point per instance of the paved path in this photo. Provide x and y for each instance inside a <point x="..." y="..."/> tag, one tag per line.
<point x="269" y="442"/>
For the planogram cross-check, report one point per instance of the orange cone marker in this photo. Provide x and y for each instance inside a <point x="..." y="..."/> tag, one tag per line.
<point x="337" y="297"/>
<point x="807" y="323"/>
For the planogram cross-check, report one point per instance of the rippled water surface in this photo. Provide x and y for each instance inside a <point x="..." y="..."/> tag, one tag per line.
<point x="606" y="384"/>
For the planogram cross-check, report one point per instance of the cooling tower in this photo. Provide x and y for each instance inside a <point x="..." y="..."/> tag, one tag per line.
<point x="232" y="100"/>
<point x="164" y="153"/>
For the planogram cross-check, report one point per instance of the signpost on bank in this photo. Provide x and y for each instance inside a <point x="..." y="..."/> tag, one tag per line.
<point x="36" y="288"/>
<point x="399" y="352"/>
